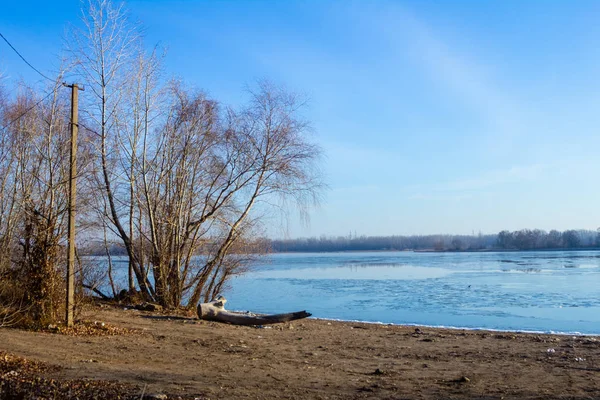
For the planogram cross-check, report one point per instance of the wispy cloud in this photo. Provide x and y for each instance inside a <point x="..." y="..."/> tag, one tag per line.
<point x="461" y="74"/>
<point x="465" y="188"/>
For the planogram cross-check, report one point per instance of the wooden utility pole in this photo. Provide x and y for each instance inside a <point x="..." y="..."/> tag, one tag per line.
<point x="72" y="199"/>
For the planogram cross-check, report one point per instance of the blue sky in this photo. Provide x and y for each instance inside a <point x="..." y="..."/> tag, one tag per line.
<point x="434" y="116"/>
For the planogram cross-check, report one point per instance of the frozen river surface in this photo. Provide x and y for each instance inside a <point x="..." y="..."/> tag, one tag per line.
<point x="524" y="291"/>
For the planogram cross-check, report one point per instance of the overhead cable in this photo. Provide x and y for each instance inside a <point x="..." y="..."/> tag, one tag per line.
<point x="23" y="58"/>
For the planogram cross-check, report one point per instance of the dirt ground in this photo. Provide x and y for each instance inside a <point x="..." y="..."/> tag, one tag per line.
<point x="314" y="359"/>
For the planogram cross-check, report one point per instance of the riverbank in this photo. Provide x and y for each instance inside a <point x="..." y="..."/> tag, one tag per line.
<point x="186" y="358"/>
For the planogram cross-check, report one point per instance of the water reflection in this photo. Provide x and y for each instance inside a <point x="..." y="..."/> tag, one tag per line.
<point x="367" y="271"/>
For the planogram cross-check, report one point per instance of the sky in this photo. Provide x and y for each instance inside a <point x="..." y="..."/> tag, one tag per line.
<point x="434" y="116"/>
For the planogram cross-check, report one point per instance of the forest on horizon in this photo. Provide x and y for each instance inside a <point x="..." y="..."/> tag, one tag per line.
<point x="525" y="239"/>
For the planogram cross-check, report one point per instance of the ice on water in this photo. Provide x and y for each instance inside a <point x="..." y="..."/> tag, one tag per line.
<point x="528" y="291"/>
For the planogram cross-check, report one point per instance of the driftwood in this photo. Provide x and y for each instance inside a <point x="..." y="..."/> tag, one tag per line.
<point x="215" y="311"/>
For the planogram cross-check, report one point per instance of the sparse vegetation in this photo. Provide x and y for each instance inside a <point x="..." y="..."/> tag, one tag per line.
<point x="168" y="174"/>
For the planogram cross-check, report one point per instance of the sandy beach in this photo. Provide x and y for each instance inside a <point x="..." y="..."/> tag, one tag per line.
<point x="181" y="357"/>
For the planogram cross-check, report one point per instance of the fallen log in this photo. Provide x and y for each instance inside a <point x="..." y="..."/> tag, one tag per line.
<point x="215" y="311"/>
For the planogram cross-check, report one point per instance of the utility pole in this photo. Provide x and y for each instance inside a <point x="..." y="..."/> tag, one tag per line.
<point x="72" y="199"/>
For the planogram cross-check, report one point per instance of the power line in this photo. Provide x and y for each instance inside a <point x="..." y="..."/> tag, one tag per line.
<point x="26" y="111"/>
<point x="23" y="58"/>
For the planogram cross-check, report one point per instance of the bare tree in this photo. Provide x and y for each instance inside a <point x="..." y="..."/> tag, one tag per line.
<point x="34" y="176"/>
<point x="266" y="154"/>
<point x="8" y="195"/>
<point x="103" y="52"/>
<point x="181" y="176"/>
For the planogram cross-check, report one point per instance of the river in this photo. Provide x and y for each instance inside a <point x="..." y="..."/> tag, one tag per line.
<point x="554" y="291"/>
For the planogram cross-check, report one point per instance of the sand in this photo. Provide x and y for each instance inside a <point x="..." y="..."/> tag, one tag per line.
<point x="313" y="359"/>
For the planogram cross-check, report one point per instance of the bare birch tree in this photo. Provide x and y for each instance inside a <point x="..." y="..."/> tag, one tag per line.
<point x="182" y="176"/>
<point x="104" y="51"/>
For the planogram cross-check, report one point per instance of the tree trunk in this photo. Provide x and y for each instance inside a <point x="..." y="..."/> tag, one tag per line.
<point x="215" y="311"/>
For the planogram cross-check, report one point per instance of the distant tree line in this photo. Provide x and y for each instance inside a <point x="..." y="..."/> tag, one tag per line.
<point x="525" y="239"/>
<point x="374" y="243"/>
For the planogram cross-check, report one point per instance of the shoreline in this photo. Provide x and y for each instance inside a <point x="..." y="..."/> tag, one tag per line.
<point x="458" y="328"/>
<point x="102" y="255"/>
<point x="441" y="251"/>
<point x="185" y="358"/>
